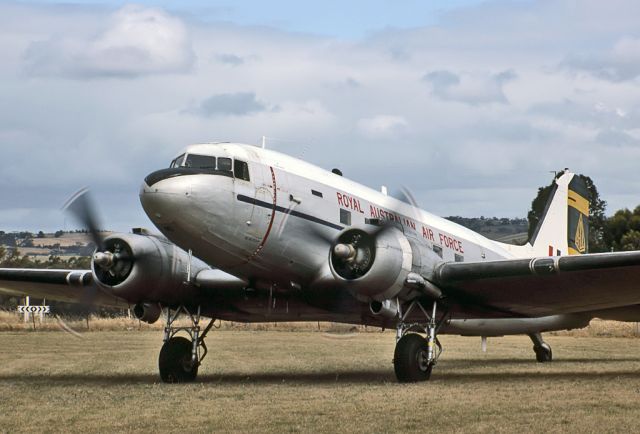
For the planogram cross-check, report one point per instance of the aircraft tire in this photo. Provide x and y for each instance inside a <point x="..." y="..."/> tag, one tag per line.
<point x="543" y="353"/>
<point x="175" y="361"/>
<point x="409" y="359"/>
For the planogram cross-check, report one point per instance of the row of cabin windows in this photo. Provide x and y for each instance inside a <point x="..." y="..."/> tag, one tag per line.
<point x="438" y="251"/>
<point x="208" y="162"/>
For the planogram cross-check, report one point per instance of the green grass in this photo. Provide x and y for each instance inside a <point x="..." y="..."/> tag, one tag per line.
<point x="304" y="381"/>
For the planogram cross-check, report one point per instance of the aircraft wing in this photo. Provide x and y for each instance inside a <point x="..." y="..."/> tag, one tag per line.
<point x="546" y="285"/>
<point x="74" y="286"/>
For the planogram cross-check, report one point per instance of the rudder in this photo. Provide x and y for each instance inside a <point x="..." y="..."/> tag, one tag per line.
<point x="564" y="226"/>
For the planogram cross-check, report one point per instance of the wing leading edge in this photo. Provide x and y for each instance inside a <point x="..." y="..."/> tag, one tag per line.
<point x="546" y="285"/>
<point x="73" y="286"/>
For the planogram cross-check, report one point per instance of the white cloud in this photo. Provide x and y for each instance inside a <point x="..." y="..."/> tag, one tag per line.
<point x="136" y="41"/>
<point x="236" y="104"/>
<point x="382" y="126"/>
<point x="620" y="63"/>
<point x="469" y="88"/>
<point x="438" y="108"/>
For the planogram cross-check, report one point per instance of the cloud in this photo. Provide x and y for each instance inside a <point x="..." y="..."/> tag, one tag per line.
<point x="382" y="126"/>
<point x="620" y="63"/>
<point x="229" y="104"/>
<point x="455" y="107"/>
<point x="229" y="59"/>
<point x="136" y="41"/>
<point x="589" y="114"/>
<point x="471" y="88"/>
<point x="616" y="138"/>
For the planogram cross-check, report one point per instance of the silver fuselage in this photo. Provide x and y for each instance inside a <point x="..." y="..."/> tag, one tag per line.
<point x="263" y="229"/>
<point x="268" y="229"/>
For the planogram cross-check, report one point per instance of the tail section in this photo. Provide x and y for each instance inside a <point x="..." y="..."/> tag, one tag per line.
<point x="564" y="226"/>
<point x="578" y="218"/>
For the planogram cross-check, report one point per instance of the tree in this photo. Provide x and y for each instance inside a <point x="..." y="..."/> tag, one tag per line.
<point x="622" y="229"/>
<point x="630" y="240"/>
<point x="597" y="219"/>
<point x="537" y="208"/>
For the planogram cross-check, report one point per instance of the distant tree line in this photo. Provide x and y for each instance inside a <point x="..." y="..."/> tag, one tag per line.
<point x="492" y="226"/>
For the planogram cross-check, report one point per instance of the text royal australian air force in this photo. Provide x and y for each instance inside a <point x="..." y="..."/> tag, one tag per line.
<point x="372" y="211"/>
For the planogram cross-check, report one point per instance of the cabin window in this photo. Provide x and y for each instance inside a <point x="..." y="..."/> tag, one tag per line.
<point x="459" y="258"/>
<point x="224" y="164"/>
<point x="196" y="161"/>
<point x="437" y="250"/>
<point x="316" y="193"/>
<point x="241" y="170"/>
<point x="177" y="161"/>
<point x="345" y="217"/>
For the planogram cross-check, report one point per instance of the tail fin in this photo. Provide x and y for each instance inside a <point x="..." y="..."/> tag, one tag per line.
<point x="564" y="226"/>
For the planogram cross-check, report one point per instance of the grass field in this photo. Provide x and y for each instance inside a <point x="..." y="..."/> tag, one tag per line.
<point x="269" y="381"/>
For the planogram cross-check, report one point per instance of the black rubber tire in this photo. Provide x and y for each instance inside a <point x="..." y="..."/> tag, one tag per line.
<point x="409" y="359"/>
<point x="543" y="353"/>
<point x="175" y="361"/>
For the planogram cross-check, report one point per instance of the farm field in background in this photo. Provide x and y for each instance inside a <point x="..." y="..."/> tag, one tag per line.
<point x="268" y="381"/>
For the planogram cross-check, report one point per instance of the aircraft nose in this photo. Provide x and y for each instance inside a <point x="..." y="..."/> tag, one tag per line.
<point x="164" y="194"/>
<point x="162" y="174"/>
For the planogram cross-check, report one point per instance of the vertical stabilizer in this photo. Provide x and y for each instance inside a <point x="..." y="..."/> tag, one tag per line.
<point x="564" y="226"/>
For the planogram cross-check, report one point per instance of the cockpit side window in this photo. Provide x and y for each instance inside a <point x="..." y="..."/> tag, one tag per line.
<point x="200" y="161"/>
<point x="177" y="161"/>
<point x="224" y="164"/>
<point x="241" y="170"/>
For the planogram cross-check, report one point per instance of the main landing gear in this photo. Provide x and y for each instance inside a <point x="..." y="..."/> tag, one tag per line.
<point x="415" y="356"/>
<point x="541" y="348"/>
<point x="180" y="357"/>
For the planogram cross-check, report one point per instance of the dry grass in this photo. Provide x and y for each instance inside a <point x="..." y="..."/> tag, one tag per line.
<point x="12" y="321"/>
<point x="310" y="382"/>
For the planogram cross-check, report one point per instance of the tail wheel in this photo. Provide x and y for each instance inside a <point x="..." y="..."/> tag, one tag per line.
<point x="543" y="353"/>
<point x="175" y="361"/>
<point x="410" y="359"/>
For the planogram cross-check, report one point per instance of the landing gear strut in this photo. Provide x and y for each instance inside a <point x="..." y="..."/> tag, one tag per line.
<point x="180" y="357"/>
<point x="415" y="356"/>
<point x="541" y="348"/>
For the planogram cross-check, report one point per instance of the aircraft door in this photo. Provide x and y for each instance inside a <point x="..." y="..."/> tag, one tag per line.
<point x="257" y="206"/>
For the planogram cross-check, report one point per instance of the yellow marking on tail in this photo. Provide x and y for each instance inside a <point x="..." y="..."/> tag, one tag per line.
<point x="579" y="202"/>
<point x="580" y="239"/>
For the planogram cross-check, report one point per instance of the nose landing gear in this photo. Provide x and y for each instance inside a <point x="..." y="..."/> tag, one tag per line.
<point x="180" y="357"/>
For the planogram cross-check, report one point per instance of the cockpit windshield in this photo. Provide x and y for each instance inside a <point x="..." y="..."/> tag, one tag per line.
<point x="200" y="161"/>
<point x="177" y="162"/>
<point x="210" y="164"/>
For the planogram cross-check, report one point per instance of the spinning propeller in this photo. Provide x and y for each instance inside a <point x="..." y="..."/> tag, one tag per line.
<point x="112" y="259"/>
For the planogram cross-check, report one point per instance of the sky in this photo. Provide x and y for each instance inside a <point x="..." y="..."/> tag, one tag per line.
<point x="469" y="104"/>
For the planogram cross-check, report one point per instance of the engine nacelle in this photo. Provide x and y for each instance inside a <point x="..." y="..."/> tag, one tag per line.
<point x="372" y="266"/>
<point x="144" y="268"/>
<point x="386" y="308"/>
<point x="147" y="312"/>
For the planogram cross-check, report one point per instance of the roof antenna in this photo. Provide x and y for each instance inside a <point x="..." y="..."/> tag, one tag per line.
<point x="264" y="142"/>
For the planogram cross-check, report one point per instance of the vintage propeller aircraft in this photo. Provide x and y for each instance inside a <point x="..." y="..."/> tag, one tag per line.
<point x="251" y="235"/>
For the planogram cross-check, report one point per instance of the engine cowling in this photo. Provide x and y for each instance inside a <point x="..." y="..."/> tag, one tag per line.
<point x="373" y="266"/>
<point x="144" y="268"/>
